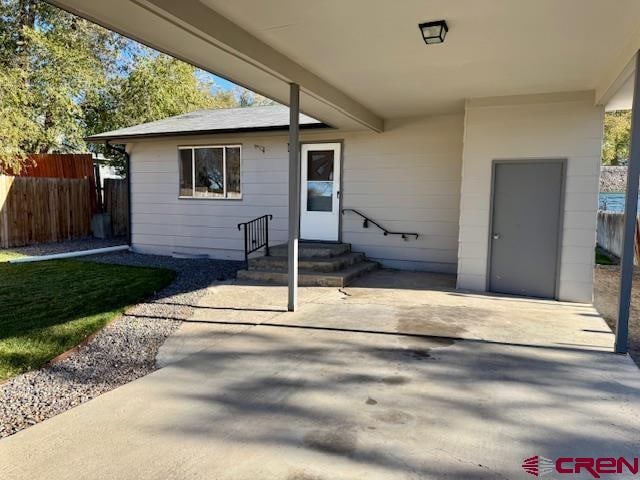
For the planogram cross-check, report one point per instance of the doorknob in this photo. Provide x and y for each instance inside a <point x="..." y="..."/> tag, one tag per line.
<point x="496" y="236"/>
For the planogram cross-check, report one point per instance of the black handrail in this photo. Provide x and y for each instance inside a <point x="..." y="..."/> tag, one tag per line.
<point x="256" y="235"/>
<point x="367" y="220"/>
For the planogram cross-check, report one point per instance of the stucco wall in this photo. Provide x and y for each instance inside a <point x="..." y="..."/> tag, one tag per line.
<point x="407" y="179"/>
<point x="543" y="126"/>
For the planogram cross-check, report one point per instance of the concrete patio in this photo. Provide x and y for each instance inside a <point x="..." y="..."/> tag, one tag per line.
<point x="397" y="376"/>
<point x="388" y="302"/>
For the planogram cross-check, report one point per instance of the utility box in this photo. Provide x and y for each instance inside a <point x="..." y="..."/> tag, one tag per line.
<point x="101" y="225"/>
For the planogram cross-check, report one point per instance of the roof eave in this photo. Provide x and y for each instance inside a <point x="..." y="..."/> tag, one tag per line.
<point x="274" y="128"/>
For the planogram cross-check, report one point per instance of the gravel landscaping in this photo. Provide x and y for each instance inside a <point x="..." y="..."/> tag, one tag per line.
<point x="68" y="246"/>
<point x="613" y="178"/>
<point x="121" y="352"/>
<point x="605" y="299"/>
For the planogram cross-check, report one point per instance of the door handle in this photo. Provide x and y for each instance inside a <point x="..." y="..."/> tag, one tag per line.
<point x="337" y="193"/>
<point x="496" y="236"/>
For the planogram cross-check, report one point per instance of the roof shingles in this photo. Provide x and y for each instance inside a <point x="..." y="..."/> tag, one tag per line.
<point x="271" y="117"/>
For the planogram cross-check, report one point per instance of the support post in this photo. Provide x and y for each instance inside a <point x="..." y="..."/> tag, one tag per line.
<point x="630" y="219"/>
<point x="294" y="194"/>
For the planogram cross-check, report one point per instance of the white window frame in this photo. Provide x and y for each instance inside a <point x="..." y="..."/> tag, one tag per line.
<point x="193" y="149"/>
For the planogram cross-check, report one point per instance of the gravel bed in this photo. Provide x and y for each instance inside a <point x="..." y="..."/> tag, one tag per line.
<point x="121" y="352"/>
<point x="605" y="298"/>
<point x="68" y="246"/>
<point x="613" y="179"/>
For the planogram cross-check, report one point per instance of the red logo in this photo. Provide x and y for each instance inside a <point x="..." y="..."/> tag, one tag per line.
<point x="596" y="466"/>
<point x="538" y="466"/>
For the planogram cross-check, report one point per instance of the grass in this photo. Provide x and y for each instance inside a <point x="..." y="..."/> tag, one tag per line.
<point x="46" y="308"/>
<point x="6" y="255"/>
<point x="604" y="258"/>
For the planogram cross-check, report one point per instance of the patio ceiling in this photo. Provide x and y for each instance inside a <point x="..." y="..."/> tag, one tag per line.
<point x="363" y="61"/>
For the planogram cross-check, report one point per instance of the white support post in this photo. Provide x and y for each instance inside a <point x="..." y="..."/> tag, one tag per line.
<point x="630" y="218"/>
<point x="294" y="194"/>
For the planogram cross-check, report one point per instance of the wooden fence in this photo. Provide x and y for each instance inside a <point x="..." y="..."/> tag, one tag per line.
<point x="116" y="204"/>
<point x="63" y="165"/>
<point x="37" y="210"/>
<point x="59" y="165"/>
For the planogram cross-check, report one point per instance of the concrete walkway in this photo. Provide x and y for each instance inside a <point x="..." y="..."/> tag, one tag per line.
<point x="369" y="382"/>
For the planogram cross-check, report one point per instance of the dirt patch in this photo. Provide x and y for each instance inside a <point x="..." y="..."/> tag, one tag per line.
<point x="339" y="441"/>
<point x="417" y="354"/>
<point x="304" y="476"/>
<point x="395" y="380"/>
<point x="605" y="299"/>
<point x="437" y="320"/>
<point x="394" y="417"/>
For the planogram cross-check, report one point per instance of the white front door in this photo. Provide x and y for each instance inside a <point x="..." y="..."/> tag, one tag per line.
<point x="320" y="191"/>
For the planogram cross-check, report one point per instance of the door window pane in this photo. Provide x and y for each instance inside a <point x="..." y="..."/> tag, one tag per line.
<point x="209" y="172"/>
<point x="186" y="173"/>
<point x="233" y="172"/>
<point x="320" y="181"/>
<point x="319" y="196"/>
<point x="320" y="165"/>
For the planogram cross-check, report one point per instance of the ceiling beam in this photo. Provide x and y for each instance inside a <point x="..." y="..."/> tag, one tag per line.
<point x="191" y="31"/>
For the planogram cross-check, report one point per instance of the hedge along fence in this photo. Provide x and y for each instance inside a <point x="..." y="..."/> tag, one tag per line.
<point x="38" y="210"/>
<point x="611" y="234"/>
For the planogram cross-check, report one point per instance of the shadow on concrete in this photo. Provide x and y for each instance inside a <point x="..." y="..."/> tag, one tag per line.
<point x="433" y="398"/>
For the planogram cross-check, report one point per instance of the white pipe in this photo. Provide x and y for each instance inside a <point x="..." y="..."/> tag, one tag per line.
<point x="80" y="253"/>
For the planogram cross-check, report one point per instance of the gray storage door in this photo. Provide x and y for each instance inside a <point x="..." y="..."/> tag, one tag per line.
<point x="525" y="227"/>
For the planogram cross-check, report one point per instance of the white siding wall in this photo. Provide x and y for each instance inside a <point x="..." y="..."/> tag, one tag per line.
<point x="546" y="126"/>
<point x="407" y="178"/>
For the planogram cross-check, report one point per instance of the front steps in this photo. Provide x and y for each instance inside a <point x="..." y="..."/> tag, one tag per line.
<point x="319" y="265"/>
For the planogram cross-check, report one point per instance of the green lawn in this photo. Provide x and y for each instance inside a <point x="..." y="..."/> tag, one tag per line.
<point x="603" y="258"/>
<point x="48" y="307"/>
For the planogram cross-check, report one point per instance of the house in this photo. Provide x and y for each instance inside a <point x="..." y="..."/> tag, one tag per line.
<point x="196" y="176"/>
<point x="477" y="125"/>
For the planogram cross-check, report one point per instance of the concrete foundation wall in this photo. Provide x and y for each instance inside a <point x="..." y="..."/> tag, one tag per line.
<point x="611" y="233"/>
<point x="565" y="126"/>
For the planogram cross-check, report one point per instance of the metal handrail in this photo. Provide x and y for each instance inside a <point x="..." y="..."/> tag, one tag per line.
<point x="256" y="235"/>
<point x="367" y="220"/>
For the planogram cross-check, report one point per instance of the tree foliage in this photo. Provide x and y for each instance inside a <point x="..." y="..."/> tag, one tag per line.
<point x="50" y="61"/>
<point x="63" y="78"/>
<point x="156" y="87"/>
<point x="617" y="134"/>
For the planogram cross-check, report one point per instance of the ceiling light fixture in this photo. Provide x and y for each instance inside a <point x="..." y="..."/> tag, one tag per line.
<point x="434" y="32"/>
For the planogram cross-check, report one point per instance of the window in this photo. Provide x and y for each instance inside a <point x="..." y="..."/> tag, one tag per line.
<point x="210" y="172"/>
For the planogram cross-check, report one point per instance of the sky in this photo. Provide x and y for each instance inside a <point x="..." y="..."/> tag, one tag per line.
<point x="221" y="82"/>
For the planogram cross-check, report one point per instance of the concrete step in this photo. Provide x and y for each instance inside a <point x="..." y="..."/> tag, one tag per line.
<point x="308" y="278"/>
<point x="312" y="249"/>
<point x="318" y="264"/>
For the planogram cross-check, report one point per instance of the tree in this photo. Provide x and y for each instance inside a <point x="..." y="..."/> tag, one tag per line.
<point x="247" y="98"/>
<point x="50" y="61"/>
<point x="157" y="87"/>
<point x="63" y="78"/>
<point x="617" y="131"/>
<point x="15" y="126"/>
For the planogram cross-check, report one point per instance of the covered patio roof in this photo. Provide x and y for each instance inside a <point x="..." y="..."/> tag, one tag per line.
<point x="361" y="62"/>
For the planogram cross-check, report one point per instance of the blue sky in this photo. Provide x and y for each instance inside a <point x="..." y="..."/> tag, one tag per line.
<point x="221" y="82"/>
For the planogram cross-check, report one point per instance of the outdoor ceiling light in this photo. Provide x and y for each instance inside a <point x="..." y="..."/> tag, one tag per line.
<point x="434" y="32"/>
